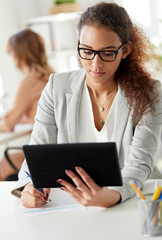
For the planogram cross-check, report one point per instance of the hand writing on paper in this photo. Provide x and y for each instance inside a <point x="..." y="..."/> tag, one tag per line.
<point x="32" y="197"/>
<point x="87" y="192"/>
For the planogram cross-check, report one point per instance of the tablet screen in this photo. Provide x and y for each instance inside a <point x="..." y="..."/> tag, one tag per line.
<point x="48" y="162"/>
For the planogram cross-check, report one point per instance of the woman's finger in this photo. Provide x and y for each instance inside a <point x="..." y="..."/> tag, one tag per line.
<point x="32" y="202"/>
<point x="70" y="187"/>
<point x="87" y="179"/>
<point x="78" y="182"/>
<point x="74" y="194"/>
<point x="28" y="200"/>
<point x="46" y="192"/>
<point x="35" y="192"/>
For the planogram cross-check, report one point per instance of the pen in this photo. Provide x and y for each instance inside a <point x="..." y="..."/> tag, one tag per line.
<point x="156" y="196"/>
<point x="136" y="189"/>
<point x="28" y="176"/>
<point x="157" y="193"/>
<point x="39" y="189"/>
<point x="156" y="215"/>
<point x="160" y="197"/>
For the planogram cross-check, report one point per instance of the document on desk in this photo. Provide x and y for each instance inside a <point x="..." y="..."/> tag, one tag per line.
<point x="23" y="127"/>
<point x="151" y="185"/>
<point x="60" y="202"/>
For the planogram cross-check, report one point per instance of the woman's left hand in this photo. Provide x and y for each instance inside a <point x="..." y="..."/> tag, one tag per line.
<point x="87" y="192"/>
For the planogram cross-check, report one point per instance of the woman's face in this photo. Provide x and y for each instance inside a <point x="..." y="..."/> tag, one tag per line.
<point x="97" y="37"/>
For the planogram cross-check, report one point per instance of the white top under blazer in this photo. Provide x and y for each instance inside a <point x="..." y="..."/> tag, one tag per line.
<point x="87" y="131"/>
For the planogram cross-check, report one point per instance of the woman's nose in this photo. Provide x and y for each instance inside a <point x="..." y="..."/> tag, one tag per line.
<point x="96" y="61"/>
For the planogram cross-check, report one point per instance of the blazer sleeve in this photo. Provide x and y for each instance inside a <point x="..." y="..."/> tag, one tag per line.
<point x="45" y="129"/>
<point x="139" y="164"/>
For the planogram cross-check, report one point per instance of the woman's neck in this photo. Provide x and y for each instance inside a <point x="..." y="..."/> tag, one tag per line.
<point x="100" y="90"/>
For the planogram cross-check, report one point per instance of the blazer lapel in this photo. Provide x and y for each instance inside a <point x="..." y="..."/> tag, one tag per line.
<point x="73" y="99"/>
<point x="121" y="118"/>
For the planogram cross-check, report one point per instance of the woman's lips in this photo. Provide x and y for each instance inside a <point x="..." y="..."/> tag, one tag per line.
<point x="97" y="74"/>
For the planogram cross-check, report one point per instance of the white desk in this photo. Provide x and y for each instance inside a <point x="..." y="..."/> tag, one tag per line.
<point x="19" y="131"/>
<point x="13" y="139"/>
<point x="6" y="137"/>
<point x="120" y="222"/>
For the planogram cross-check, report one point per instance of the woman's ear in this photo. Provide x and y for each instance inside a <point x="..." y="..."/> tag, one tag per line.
<point x="126" y="50"/>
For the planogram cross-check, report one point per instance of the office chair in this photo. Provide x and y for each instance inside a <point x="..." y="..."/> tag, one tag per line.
<point x="12" y="177"/>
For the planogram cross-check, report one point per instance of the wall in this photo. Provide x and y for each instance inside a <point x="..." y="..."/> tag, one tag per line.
<point x="8" y="24"/>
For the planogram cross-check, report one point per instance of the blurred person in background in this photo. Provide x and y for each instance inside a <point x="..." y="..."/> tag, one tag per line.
<point x="28" y="53"/>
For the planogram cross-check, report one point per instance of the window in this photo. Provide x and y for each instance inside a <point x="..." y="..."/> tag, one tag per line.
<point x="139" y="11"/>
<point x="1" y="87"/>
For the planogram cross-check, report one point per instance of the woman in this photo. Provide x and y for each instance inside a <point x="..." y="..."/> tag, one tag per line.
<point x="28" y="53"/>
<point x="112" y="98"/>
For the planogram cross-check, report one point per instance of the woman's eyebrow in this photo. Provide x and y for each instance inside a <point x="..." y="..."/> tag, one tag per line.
<point x="85" y="45"/>
<point x="108" y="47"/>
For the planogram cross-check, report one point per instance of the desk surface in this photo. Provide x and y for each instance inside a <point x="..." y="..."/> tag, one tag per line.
<point x="118" y="222"/>
<point x="19" y="131"/>
<point x="6" y="137"/>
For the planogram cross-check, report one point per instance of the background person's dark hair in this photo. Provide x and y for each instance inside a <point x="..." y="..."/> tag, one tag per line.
<point x="132" y="75"/>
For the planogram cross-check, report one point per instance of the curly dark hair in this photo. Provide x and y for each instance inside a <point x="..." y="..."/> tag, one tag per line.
<point x="134" y="79"/>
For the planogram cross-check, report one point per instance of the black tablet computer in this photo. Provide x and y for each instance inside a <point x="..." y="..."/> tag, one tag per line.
<point x="48" y="162"/>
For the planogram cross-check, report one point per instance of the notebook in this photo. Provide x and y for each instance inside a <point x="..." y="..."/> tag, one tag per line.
<point x="47" y="163"/>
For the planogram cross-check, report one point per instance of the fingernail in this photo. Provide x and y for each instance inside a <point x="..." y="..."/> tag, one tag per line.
<point x="59" y="181"/>
<point x="62" y="188"/>
<point x="67" y="172"/>
<point x="77" y="168"/>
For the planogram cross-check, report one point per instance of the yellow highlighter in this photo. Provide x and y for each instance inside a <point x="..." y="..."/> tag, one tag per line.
<point x="157" y="193"/>
<point x="156" y="196"/>
<point x="133" y="185"/>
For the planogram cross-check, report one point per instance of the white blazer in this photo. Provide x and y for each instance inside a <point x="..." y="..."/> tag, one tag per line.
<point x="57" y="118"/>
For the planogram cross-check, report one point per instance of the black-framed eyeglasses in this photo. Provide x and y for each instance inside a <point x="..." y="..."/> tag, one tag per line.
<point x="105" y="55"/>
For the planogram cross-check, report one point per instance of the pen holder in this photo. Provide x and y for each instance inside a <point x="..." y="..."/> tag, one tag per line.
<point x="150" y="213"/>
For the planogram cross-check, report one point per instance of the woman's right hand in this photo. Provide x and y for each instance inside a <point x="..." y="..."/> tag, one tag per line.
<point x="33" y="198"/>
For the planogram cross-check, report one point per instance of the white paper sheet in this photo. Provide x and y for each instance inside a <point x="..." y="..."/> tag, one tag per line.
<point x="151" y="185"/>
<point x="23" y="127"/>
<point x="60" y="202"/>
